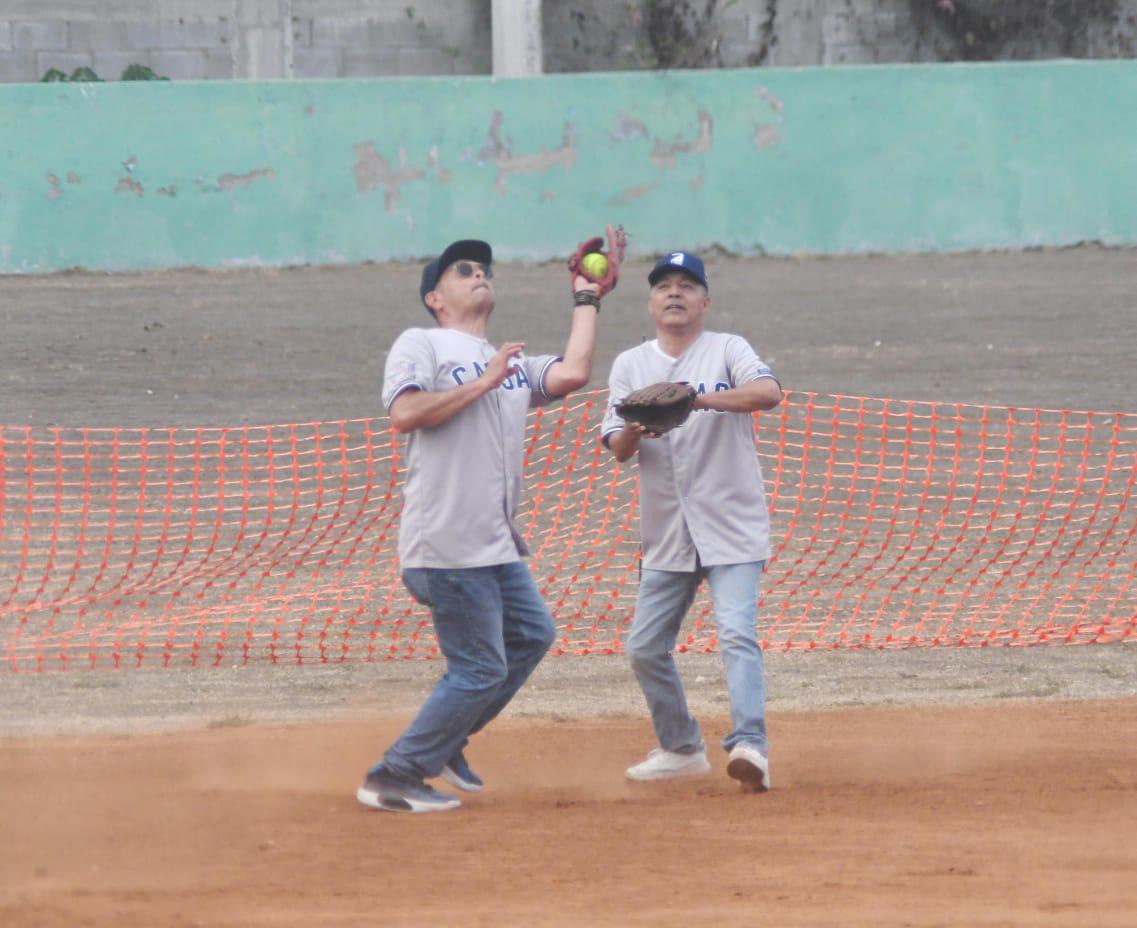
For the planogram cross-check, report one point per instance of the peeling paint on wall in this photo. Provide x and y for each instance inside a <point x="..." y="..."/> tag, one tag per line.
<point x="766" y="136"/>
<point x="500" y="153"/>
<point x="632" y="193"/>
<point x="768" y="133"/>
<point x="627" y="129"/>
<point x="752" y="146"/>
<point x="232" y="181"/>
<point x="129" y="185"/>
<point x="372" y="170"/>
<point x="494" y="146"/>
<point x="763" y="93"/>
<point x="663" y="153"/>
<point x="435" y="163"/>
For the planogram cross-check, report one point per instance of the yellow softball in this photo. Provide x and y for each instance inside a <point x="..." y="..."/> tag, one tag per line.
<point x="595" y="264"/>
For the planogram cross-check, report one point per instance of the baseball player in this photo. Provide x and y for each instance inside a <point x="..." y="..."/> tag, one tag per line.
<point x="463" y="404"/>
<point x="702" y="515"/>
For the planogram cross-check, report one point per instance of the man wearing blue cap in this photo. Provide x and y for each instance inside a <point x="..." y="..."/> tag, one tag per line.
<point x="703" y="515"/>
<point x="463" y="405"/>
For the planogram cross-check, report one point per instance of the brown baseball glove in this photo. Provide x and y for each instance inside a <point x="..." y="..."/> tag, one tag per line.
<point x="660" y="407"/>
<point x="617" y="243"/>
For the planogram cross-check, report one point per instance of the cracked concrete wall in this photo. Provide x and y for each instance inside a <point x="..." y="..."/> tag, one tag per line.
<point x="595" y="35"/>
<point x="125" y="176"/>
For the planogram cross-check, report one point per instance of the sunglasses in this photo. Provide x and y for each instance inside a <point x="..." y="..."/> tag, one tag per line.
<point x="467" y="268"/>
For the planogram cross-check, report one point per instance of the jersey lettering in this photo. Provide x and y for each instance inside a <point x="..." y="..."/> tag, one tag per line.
<point x="701" y="387"/>
<point x="514" y="381"/>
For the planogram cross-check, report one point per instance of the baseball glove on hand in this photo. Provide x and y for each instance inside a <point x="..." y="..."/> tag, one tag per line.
<point x="659" y="408"/>
<point x="617" y="243"/>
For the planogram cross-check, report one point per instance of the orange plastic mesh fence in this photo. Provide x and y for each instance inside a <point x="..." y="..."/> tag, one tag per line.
<point x="895" y="524"/>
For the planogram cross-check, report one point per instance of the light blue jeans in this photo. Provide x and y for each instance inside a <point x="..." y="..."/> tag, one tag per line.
<point x="665" y="597"/>
<point x="493" y="628"/>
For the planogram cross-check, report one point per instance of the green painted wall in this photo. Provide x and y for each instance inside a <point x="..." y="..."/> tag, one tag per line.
<point x="822" y="161"/>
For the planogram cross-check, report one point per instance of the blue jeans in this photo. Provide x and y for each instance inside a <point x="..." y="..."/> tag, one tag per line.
<point x="493" y="628"/>
<point x="664" y="599"/>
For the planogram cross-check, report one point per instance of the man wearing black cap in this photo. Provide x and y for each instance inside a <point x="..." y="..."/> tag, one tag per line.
<point x="463" y="405"/>
<point x="702" y="515"/>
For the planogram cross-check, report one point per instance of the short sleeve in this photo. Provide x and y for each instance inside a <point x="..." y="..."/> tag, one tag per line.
<point x="744" y="364"/>
<point x="410" y="366"/>
<point x="536" y="369"/>
<point x="618" y="388"/>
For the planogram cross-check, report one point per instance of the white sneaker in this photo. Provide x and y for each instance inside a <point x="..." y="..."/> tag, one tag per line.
<point x="750" y="767"/>
<point x="666" y="765"/>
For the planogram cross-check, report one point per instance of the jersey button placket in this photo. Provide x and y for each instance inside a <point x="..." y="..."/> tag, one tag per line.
<point x="680" y="470"/>
<point x="501" y="438"/>
<point x="680" y="460"/>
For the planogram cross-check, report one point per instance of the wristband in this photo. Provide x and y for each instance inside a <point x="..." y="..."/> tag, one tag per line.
<point x="586" y="298"/>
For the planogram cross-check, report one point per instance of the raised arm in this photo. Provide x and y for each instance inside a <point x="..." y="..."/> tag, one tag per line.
<point x="575" y="368"/>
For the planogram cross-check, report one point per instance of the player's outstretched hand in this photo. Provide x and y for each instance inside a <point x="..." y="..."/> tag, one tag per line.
<point x="503" y="364"/>
<point x="600" y="284"/>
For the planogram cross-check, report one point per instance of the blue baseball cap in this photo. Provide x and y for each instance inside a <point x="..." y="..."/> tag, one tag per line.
<point x="469" y="249"/>
<point x="684" y="261"/>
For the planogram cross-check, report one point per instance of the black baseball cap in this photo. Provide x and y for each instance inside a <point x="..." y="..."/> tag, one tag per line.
<point x="684" y="261"/>
<point x="468" y="249"/>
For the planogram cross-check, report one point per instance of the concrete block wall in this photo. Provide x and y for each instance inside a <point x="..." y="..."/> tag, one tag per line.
<point x="233" y="39"/>
<point x="266" y="39"/>
<point x="356" y="38"/>
<point x="869" y="32"/>
<point x="179" y="39"/>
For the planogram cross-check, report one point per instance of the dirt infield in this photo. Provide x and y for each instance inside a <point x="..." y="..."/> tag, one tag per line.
<point x="992" y="788"/>
<point x="1016" y="816"/>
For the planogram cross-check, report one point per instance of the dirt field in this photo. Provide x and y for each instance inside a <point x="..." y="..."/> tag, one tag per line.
<point x="911" y="788"/>
<point x="1015" y="816"/>
<point x="1052" y="329"/>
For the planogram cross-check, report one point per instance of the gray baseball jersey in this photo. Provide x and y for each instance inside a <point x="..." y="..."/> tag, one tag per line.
<point x="701" y="489"/>
<point x="463" y="477"/>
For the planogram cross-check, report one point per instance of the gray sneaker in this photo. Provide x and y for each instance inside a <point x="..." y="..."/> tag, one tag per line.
<point x="394" y="793"/>
<point x="750" y="767"/>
